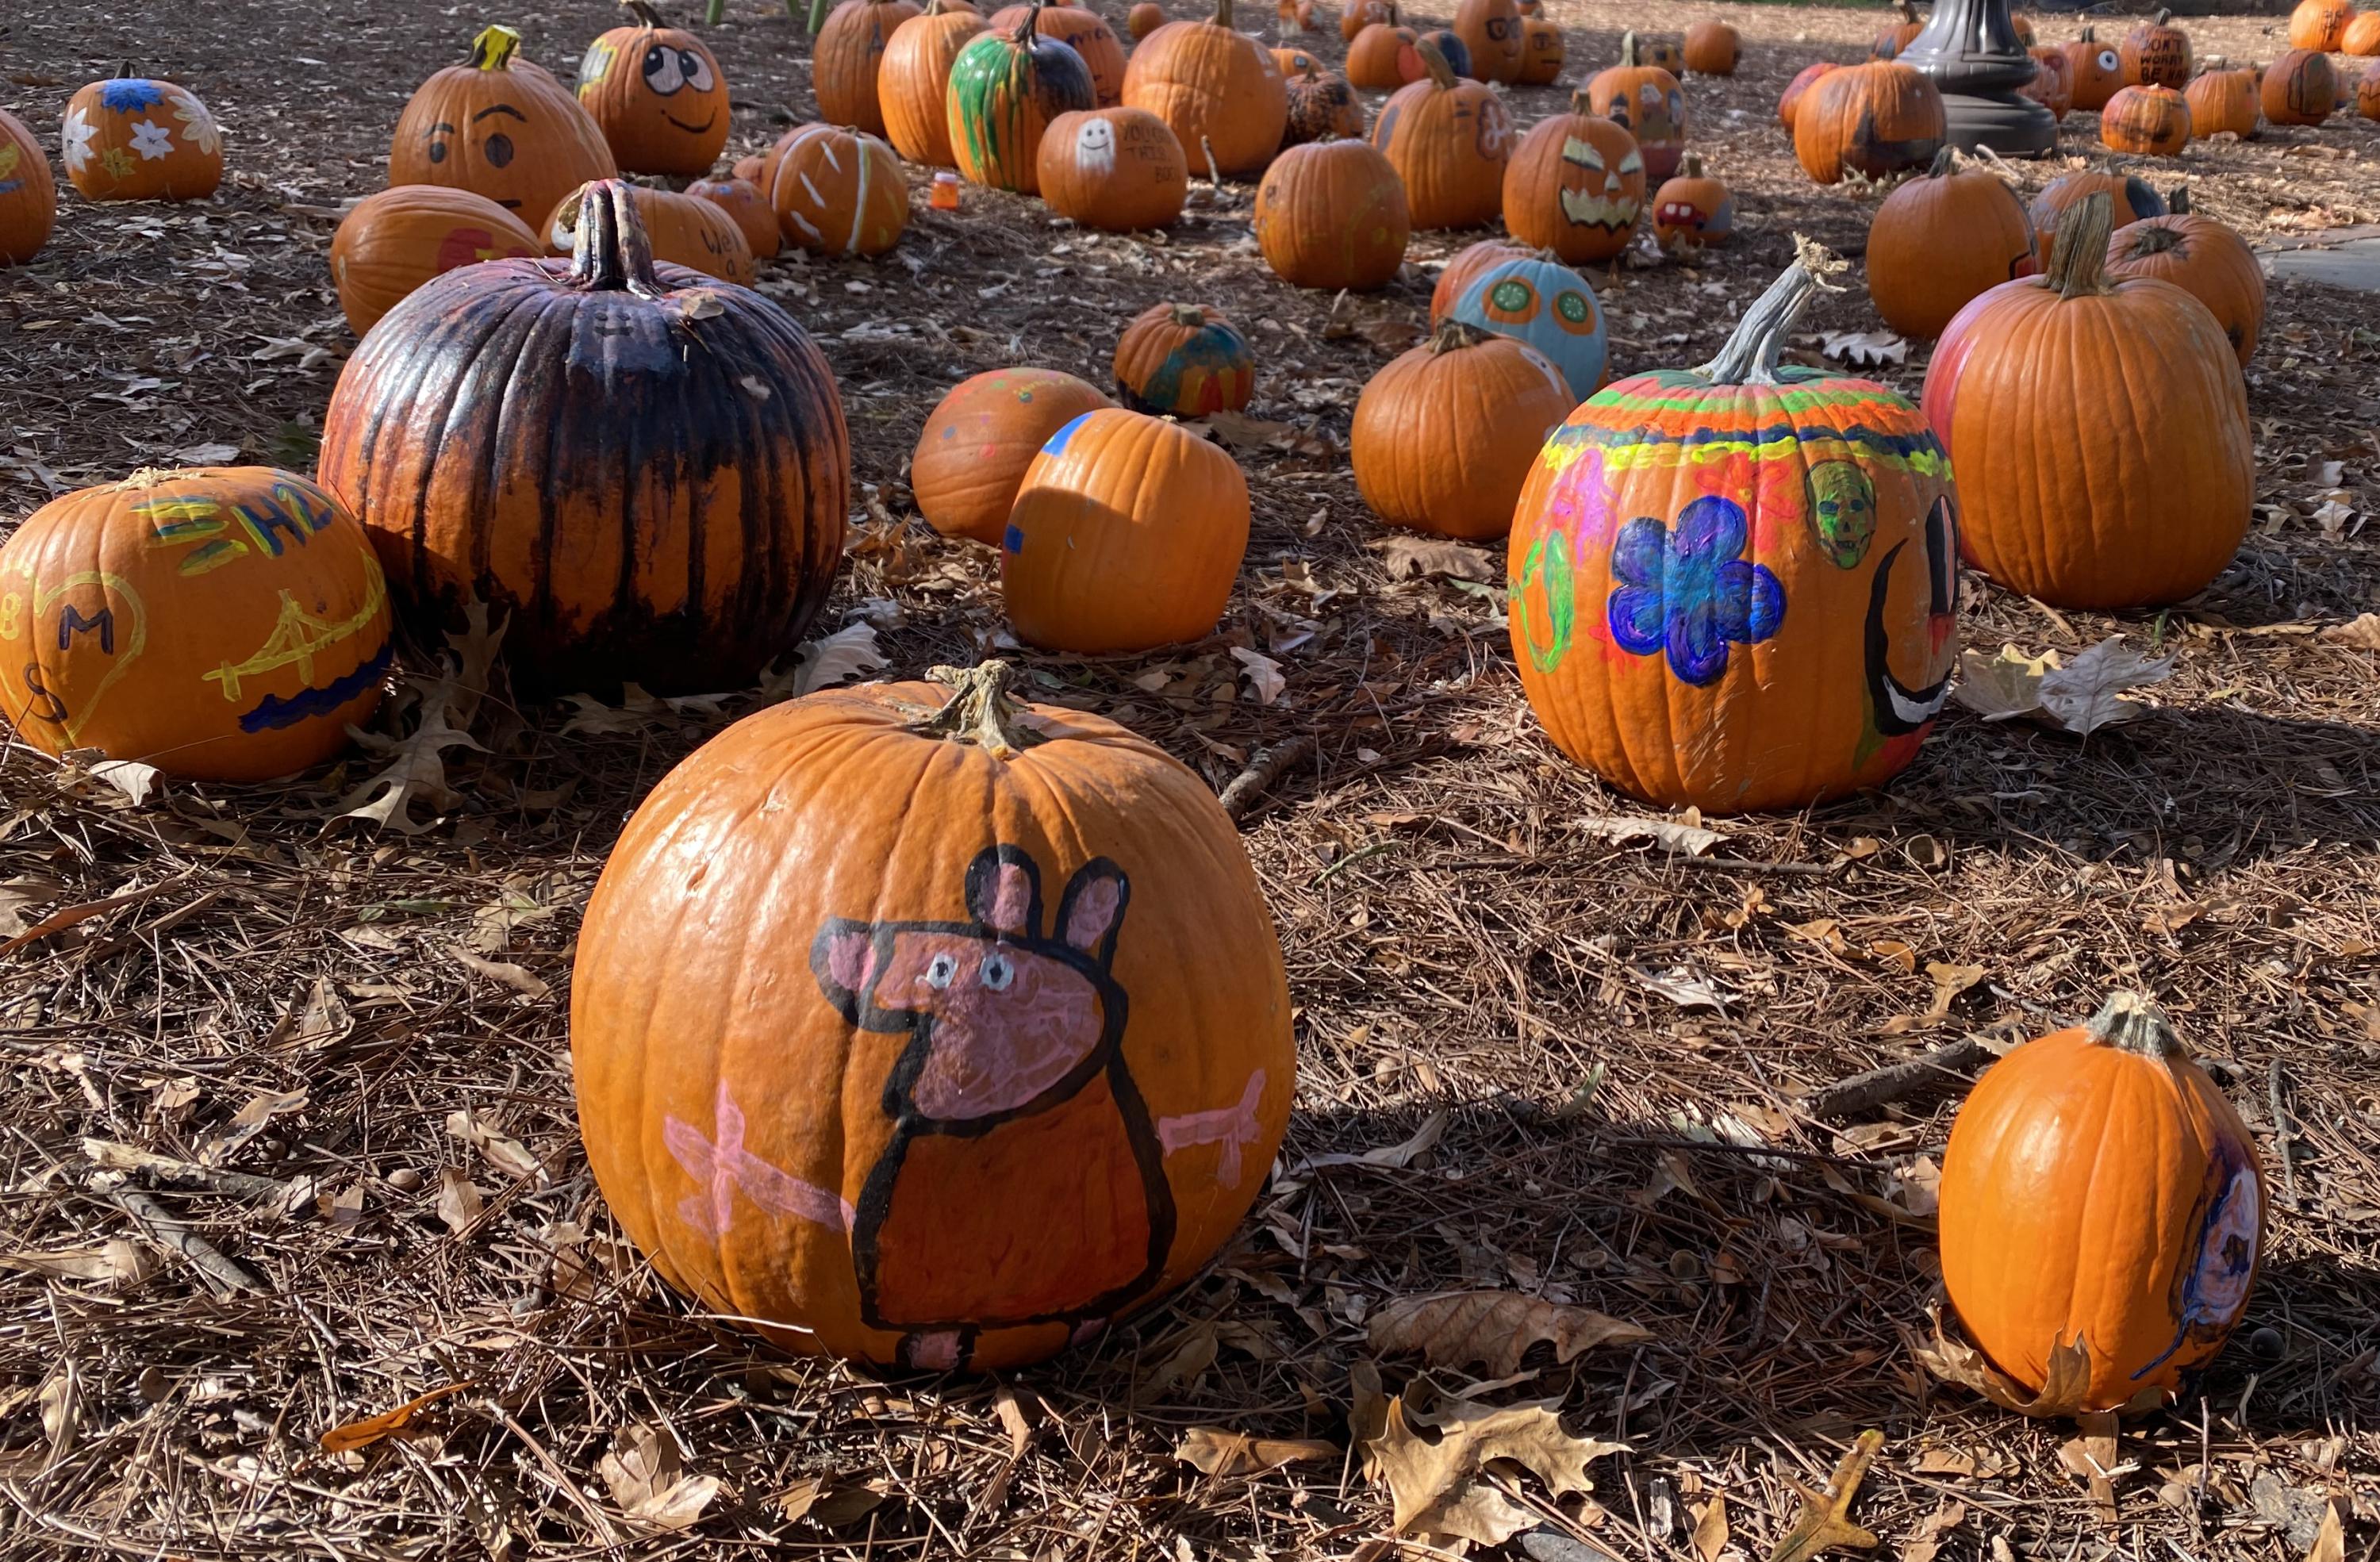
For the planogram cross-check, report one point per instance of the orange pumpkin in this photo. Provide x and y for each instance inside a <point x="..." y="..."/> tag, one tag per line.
<point x="2202" y="256"/>
<point x="659" y="95"/>
<point x="2321" y="25"/>
<point x="394" y="241"/>
<point x="1941" y="240"/>
<point x="1127" y="535"/>
<point x="135" y="140"/>
<point x="2223" y="100"/>
<point x="1712" y="48"/>
<point x="2367" y="94"/>
<point x="848" y="60"/>
<point x="1357" y="15"/>
<point x="2022" y="28"/>
<point x="1790" y="102"/>
<point x="2151" y="121"/>
<point x="2361" y="35"/>
<point x="2064" y="503"/>
<point x="1645" y="100"/>
<point x="1877" y="118"/>
<point x="1445" y="434"/>
<point x="1474" y="262"/>
<point x="669" y="509"/>
<point x="1321" y="103"/>
<point x="1086" y="32"/>
<point x="1185" y="360"/>
<point x="1541" y="52"/>
<point x="971" y="459"/>
<point x="681" y="229"/>
<point x="839" y="192"/>
<point x="502" y="127"/>
<point x="1490" y="30"/>
<point x="1693" y="211"/>
<point x="2129" y="196"/>
<point x="2300" y="88"/>
<point x="1294" y="63"/>
<point x="748" y="205"/>
<point x="1217" y="87"/>
<point x="28" y="197"/>
<point x="751" y="168"/>
<point x="1332" y="214"/>
<point x="1576" y="186"/>
<point x="2053" y="80"/>
<point x="2156" y="54"/>
<point x="1142" y="19"/>
<point x="1662" y="54"/>
<point x="1900" y="35"/>
<point x="2099" y="72"/>
<point x="1120" y="169"/>
<point x="913" y="81"/>
<point x="1376" y="60"/>
<point x="1004" y="1099"/>
<point x="2113" y="1165"/>
<point x="219" y="622"/>
<point x="1449" y="140"/>
<point x="1005" y="88"/>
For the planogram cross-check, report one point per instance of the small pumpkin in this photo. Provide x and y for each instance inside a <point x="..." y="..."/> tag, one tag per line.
<point x="971" y="458"/>
<point x="2367" y="94"/>
<point x="2022" y="27"/>
<point x="1294" y="62"/>
<point x="1899" y="35"/>
<point x="658" y="95"/>
<point x="1490" y="30"/>
<point x="1662" y="54"/>
<point x="748" y="204"/>
<point x="394" y="241"/>
<point x="2150" y="121"/>
<point x="2300" y="88"/>
<point x="1712" y="48"/>
<point x="913" y="81"/>
<point x="218" y="622"/>
<point x="1142" y="19"/>
<point x="847" y="57"/>
<point x="1005" y="88"/>
<point x="839" y="192"/>
<point x="28" y="197"/>
<point x="1547" y="307"/>
<point x="1702" y="557"/>
<point x="1029" y="1051"/>
<point x="1542" y="51"/>
<point x="2065" y="503"/>
<point x="1941" y="240"/>
<point x="1693" y="211"/>
<point x="1449" y="44"/>
<point x="1449" y="140"/>
<point x="1088" y="33"/>
<point x="2053" y="80"/>
<point x="1445" y="434"/>
<point x="1645" y="100"/>
<point x="2110" y="1159"/>
<point x="2130" y="197"/>
<point x="1332" y="213"/>
<point x="1466" y="268"/>
<point x="681" y="229"/>
<point x="669" y="509"/>
<point x="1117" y="169"/>
<point x="2223" y="100"/>
<point x="1376" y="60"/>
<point x="1321" y="103"/>
<point x="2156" y="54"/>
<point x="1185" y="360"/>
<point x="2361" y="35"/>
<point x="2321" y="25"/>
<point x="1877" y="118"/>
<point x="131" y="138"/>
<point x="751" y="168"/>
<point x="1127" y="535"/>
<point x="2205" y="258"/>
<point x="1790" y="102"/>
<point x="500" y="127"/>
<point x="1576" y="186"/>
<point x="2098" y="71"/>
<point x="1357" y="15"/>
<point x="1217" y="87"/>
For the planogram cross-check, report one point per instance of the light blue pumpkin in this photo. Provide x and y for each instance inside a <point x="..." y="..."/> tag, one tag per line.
<point x="1546" y="305"/>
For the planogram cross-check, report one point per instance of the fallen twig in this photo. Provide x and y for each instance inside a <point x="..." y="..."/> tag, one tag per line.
<point x="1943" y="1067"/>
<point x="1244" y="789"/>
<point x="166" y="1231"/>
<point x="165" y="1170"/>
<point x="2274" y="1083"/>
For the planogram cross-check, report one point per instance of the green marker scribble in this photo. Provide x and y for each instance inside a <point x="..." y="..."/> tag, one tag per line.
<point x="1548" y="562"/>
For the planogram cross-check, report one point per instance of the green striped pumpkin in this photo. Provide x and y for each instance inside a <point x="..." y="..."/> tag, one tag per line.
<point x="1004" y="89"/>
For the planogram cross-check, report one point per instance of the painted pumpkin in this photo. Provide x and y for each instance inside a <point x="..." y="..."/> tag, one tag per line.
<point x="2148" y="121"/>
<point x="135" y="140"/>
<point x="219" y="622"/>
<point x="1490" y="30"/>
<point x="1875" y="119"/>
<point x="1941" y="240"/>
<point x="658" y="96"/>
<point x="1645" y="100"/>
<point x="28" y="197"/>
<point x="1663" y="54"/>
<point x="680" y="229"/>
<point x="971" y="459"/>
<point x="2053" y="80"/>
<point x="2156" y="54"/>
<point x="2128" y="194"/>
<point x="502" y="127"/>
<point x="1321" y="103"/>
<point x="2223" y="100"/>
<point x="914" y="77"/>
<point x="847" y="61"/>
<point x="2300" y="88"/>
<point x="1790" y="102"/>
<point x="1542" y="51"/>
<point x="1695" y="549"/>
<point x="1900" y="35"/>
<point x="2146" y="509"/>
<point x="1545" y="306"/>
<point x="1183" y="360"/>
<point x="1445" y="434"/>
<point x="1576" y="186"/>
<point x="1357" y="15"/>
<point x="1712" y="48"/>
<point x="1001" y="1103"/>
<point x="1376" y="60"/>
<point x="1127" y="535"/>
<point x="839" y="192"/>
<point x="2108" y="1158"/>
<point x="2099" y="72"/>
<point x="394" y="241"/>
<point x="2205" y="259"/>
<point x="1331" y="214"/>
<point x="1005" y="88"/>
<point x="747" y="204"/>
<point x="2361" y="35"/>
<point x="1449" y="140"/>
<point x="1088" y="33"/>
<point x="1693" y="211"/>
<point x="1120" y="169"/>
<point x="2321" y="25"/>
<point x="1144" y="19"/>
<point x="1217" y="87"/>
<point x="1467" y="268"/>
<point x="1294" y="63"/>
<point x="669" y="510"/>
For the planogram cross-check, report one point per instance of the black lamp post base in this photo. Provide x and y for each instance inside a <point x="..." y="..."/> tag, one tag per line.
<point x="2010" y="124"/>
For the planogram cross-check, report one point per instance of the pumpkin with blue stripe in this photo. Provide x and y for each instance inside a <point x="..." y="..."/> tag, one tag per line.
<point x="1185" y="360"/>
<point x="1539" y="301"/>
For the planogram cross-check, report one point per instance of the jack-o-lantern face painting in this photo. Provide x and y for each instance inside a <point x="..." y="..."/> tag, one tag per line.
<point x="1603" y="183"/>
<point x="658" y="96"/>
<point x="501" y="127"/>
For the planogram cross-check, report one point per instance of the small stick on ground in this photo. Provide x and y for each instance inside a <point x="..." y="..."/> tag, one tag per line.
<point x="166" y="1231"/>
<point x="174" y="1173"/>
<point x="1245" y="789"/>
<point x="2276" y="1083"/>
<point x="1943" y="1067"/>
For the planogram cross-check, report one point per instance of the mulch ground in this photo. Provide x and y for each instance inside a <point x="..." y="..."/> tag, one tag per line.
<point x="1593" y="1054"/>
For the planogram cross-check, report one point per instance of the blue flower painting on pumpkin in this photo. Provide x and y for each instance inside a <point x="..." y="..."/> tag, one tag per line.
<point x="1689" y="591"/>
<point x="131" y="97"/>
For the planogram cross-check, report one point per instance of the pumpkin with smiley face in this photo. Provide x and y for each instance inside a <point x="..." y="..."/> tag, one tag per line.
<point x="502" y="127"/>
<point x="658" y="96"/>
<point x="1645" y="100"/>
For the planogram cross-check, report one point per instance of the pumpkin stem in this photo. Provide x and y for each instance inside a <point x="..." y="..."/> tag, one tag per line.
<point x="1441" y="75"/>
<point x="125" y="72"/>
<point x="2077" y="273"/>
<point x="1030" y="28"/>
<point x="1190" y="316"/>
<point x="1692" y="167"/>
<point x="2090" y="35"/>
<point x="610" y="252"/>
<point x="2162" y="17"/>
<point x="1946" y="161"/>
<point x="980" y="711"/>
<point x="492" y="49"/>
<point x="1452" y="334"/>
<point x="644" y="13"/>
<point x="2177" y="203"/>
<point x="2131" y="1022"/>
<point x="1222" y="13"/>
<point x="1908" y="11"/>
<point x="1581" y="104"/>
<point x="1628" y="48"/>
<point x="1750" y="355"/>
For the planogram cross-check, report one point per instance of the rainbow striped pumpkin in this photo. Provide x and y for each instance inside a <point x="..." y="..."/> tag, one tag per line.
<point x="1701" y="557"/>
<point x="1539" y="301"/>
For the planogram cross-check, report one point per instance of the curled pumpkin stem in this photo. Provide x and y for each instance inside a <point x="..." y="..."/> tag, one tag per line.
<point x="2134" y="1023"/>
<point x="980" y="711"/>
<point x="1750" y="355"/>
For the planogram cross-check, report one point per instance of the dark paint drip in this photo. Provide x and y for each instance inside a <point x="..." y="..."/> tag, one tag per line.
<point x="272" y="712"/>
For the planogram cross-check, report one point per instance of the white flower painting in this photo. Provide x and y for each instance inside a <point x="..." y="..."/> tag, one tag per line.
<point x="198" y="125"/>
<point x="76" y="141"/>
<point x="152" y="140"/>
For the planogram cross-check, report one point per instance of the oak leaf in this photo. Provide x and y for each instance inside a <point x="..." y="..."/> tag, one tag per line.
<point x="1439" y="1468"/>
<point x="1212" y="1450"/>
<point x="1494" y="1328"/>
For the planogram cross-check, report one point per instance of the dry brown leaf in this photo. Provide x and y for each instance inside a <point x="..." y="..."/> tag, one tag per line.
<point x="1684" y="836"/>
<point x="2076" y="697"/>
<point x="1952" y="1360"/>
<point x="1420" y="555"/>
<point x="1926" y="1540"/>
<point x="115" y="1262"/>
<point x="1213" y="1450"/>
<point x="2330" y="1540"/>
<point x="372" y="1429"/>
<point x="1494" y="1328"/>
<point x="647" y="1479"/>
<point x="829" y="1501"/>
<point x="459" y="1200"/>
<point x="2364" y="630"/>
<point x="1710" y="1528"/>
<point x="519" y="978"/>
<point x="507" y="1154"/>
<point x="1182" y="1365"/>
<point x="249" y="1122"/>
<point x="416" y="770"/>
<point x="1436" y="1468"/>
<point x="1398" y="1156"/>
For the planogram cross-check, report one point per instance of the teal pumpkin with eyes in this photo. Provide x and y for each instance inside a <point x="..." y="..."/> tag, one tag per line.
<point x="1547" y="306"/>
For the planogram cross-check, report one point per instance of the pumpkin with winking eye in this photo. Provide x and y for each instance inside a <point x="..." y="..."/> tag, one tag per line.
<point x="658" y="95"/>
<point x="500" y="127"/>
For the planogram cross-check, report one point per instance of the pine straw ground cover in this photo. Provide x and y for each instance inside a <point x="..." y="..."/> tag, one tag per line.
<point x="1545" y="1053"/>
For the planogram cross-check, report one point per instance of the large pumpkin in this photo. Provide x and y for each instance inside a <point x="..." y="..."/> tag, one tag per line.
<point x="747" y="203"/>
<point x="219" y="622"/>
<point x="2156" y="54"/>
<point x="914" y="77"/>
<point x="28" y="197"/>
<point x="839" y="192"/>
<point x="1217" y="87"/>
<point x="394" y="241"/>
<point x="1712" y="48"/>
<point x="1542" y="51"/>
<point x="680" y="229"/>
<point x="1469" y="266"/>
<point x="1331" y="214"/>
<point x="2099" y="1194"/>
<point x="1576" y="186"/>
<point x="2065" y="502"/>
<point x="848" y="60"/>
<point x="2223" y="100"/>
<point x="502" y="127"/>
<point x="1700" y="559"/>
<point x="1693" y="210"/>
<point x="1005" y="88"/>
<point x="659" y="95"/>
<point x="971" y="459"/>
<point x="2202" y="257"/>
<point x="667" y="509"/>
<point x="934" y="1040"/>
<point x="2098" y="71"/>
<point x="1088" y="33"/>
<point x="2321" y="25"/>
<point x="2128" y="195"/>
<point x="1536" y="300"/>
<point x="1321" y="103"/>
<point x="1445" y="434"/>
<point x="2053" y="80"/>
<point x="1490" y="30"/>
<point x="1873" y="119"/>
<point x="1376" y="60"/>
<point x="135" y="140"/>
<point x="1941" y="240"/>
<point x="1127" y="535"/>
<point x="2149" y="121"/>
<point x="1646" y="102"/>
<point x="1788" y="102"/>
<point x="2300" y="88"/>
<point x="1120" y="169"/>
<point x="1183" y="360"/>
<point x="1449" y="139"/>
